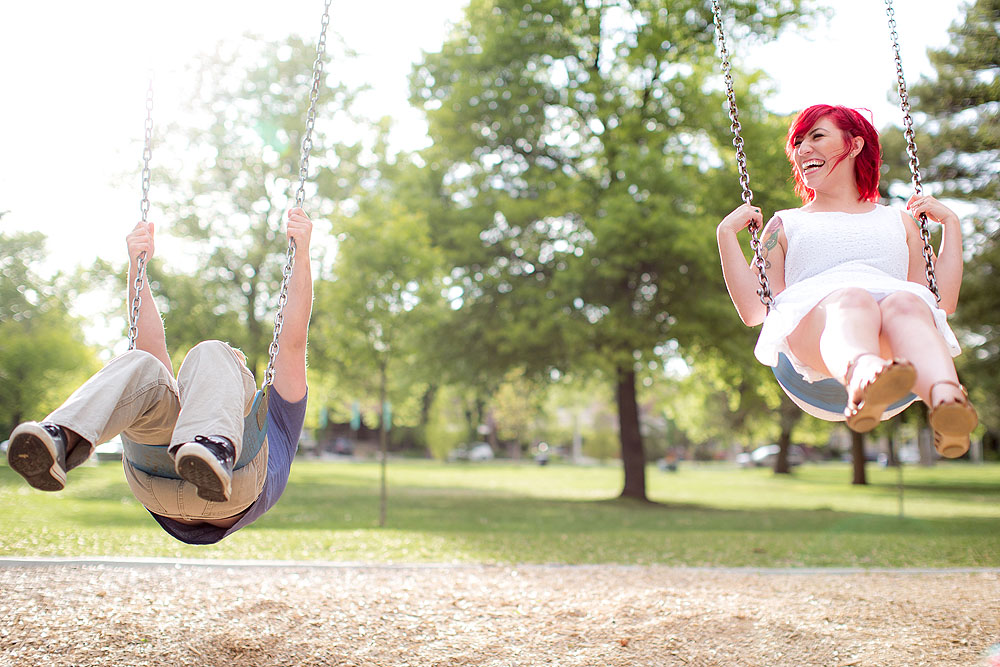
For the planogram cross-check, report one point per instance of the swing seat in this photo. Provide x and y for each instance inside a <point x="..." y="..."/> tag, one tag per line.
<point x="154" y="460"/>
<point x="826" y="399"/>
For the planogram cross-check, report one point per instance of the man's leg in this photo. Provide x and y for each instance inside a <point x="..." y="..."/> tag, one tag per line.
<point x="216" y="391"/>
<point x="134" y="393"/>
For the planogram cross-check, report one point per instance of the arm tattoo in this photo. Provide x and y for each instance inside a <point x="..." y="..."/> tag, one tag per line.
<point x="770" y="242"/>
<point x="764" y="254"/>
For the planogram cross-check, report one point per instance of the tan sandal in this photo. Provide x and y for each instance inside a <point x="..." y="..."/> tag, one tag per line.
<point x="893" y="382"/>
<point x="952" y="422"/>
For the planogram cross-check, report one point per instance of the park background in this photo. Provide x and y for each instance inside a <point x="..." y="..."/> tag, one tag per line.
<point x="515" y="207"/>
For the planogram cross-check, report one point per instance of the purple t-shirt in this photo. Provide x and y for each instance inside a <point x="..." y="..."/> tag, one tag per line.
<point x="284" y="425"/>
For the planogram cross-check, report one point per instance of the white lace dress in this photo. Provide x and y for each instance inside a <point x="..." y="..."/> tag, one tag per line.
<point x="830" y="251"/>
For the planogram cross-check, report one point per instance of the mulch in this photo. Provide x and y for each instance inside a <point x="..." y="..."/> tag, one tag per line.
<point x="491" y="616"/>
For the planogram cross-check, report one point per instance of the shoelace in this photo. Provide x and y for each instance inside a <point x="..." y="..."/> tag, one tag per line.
<point x="227" y="449"/>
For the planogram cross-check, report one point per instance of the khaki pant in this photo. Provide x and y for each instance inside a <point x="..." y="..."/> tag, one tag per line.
<point x="136" y="395"/>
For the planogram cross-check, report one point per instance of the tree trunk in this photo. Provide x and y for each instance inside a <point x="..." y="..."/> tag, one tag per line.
<point x="781" y="466"/>
<point x="892" y="458"/>
<point x="426" y="403"/>
<point x="789" y="415"/>
<point x="491" y="437"/>
<point x="633" y="454"/>
<point x="858" y="458"/>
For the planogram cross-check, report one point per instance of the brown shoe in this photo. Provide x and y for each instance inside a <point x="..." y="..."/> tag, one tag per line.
<point x="952" y="422"/>
<point x="892" y="382"/>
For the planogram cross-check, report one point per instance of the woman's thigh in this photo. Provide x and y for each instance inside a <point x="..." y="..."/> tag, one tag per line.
<point x="853" y="310"/>
<point x="804" y="340"/>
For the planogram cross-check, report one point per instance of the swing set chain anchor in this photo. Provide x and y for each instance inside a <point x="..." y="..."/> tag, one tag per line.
<point x="911" y="150"/>
<point x="140" y="263"/>
<point x="300" y="194"/>
<point x="764" y="292"/>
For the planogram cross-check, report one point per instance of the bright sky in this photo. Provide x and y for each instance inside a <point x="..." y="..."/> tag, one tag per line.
<point x="75" y="73"/>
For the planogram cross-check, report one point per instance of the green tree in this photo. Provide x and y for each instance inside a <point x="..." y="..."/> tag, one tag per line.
<point x="445" y="427"/>
<point x="958" y="132"/>
<point x="578" y="140"/>
<point x="42" y="352"/>
<point x="373" y="310"/>
<point x="241" y="143"/>
<point x="516" y="406"/>
<point x="383" y="281"/>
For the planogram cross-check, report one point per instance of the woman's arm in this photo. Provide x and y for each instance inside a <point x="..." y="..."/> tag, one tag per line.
<point x="948" y="266"/>
<point x="741" y="278"/>
<point x="151" y="336"/>
<point x="290" y="364"/>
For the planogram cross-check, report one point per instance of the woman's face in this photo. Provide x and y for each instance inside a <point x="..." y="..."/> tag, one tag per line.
<point x="817" y="151"/>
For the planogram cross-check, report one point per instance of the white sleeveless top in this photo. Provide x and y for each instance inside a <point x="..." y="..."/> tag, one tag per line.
<point x="832" y="250"/>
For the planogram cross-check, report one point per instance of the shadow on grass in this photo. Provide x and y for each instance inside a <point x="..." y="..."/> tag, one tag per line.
<point x="343" y="502"/>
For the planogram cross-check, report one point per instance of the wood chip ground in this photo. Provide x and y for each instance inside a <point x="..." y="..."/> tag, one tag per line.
<point x="491" y="616"/>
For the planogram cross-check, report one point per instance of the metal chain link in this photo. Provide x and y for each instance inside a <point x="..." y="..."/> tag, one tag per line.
<point x="307" y="144"/>
<point x="300" y="194"/>
<point x="140" y="263"/>
<point x="764" y="292"/>
<point x="911" y="150"/>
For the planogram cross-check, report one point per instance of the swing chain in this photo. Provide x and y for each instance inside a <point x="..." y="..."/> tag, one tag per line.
<point x="741" y="159"/>
<point x="307" y="143"/>
<point x="140" y="263"/>
<point x="300" y="194"/>
<point x="911" y="151"/>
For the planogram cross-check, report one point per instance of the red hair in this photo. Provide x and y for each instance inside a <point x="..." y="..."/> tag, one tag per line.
<point x="852" y="124"/>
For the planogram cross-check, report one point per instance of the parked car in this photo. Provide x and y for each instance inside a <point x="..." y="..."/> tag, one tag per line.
<point x="3" y="446"/>
<point x="480" y="451"/>
<point x="343" y="447"/>
<point x="110" y="451"/>
<point x="476" y="451"/>
<point x="766" y="456"/>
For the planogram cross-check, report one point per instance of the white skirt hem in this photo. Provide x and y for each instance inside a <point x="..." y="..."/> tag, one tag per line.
<point x="799" y="299"/>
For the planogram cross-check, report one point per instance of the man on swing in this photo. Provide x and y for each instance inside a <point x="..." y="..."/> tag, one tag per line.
<point x="197" y="416"/>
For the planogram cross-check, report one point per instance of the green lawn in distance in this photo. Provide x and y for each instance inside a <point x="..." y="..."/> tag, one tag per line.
<point x="710" y="515"/>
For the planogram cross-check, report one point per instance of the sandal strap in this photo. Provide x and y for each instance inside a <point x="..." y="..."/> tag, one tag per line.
<point x="965" y="394"/>
<point x="853" y="364"/>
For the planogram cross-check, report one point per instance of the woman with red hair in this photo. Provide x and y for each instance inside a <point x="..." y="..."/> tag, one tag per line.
<point x="848" y="278"/>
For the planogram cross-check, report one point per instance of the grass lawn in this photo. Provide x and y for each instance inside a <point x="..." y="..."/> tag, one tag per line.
<point x="505" y="513"/>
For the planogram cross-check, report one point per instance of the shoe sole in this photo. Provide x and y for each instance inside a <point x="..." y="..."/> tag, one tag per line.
<point x="892" y="384"/>
<point x="207" y="475"/>
<point x="31" y="457"/>
<point x="952" y="423"/>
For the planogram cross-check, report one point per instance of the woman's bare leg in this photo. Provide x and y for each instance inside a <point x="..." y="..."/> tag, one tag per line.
<point x="842" y="328"/>
<point x="908" y="326"/>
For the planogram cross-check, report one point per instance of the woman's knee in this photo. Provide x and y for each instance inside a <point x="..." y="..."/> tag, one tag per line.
<point x="903" y="304"/>
<point x="851" y="297"/>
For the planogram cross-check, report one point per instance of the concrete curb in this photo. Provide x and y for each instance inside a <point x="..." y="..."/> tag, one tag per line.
<point x="103" y="561"/>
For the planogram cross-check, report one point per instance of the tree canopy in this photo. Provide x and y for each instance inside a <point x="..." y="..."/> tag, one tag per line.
<point x="958" y="136"/>
<point x="580" y="143"/>
<point x="42" y="350"/>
